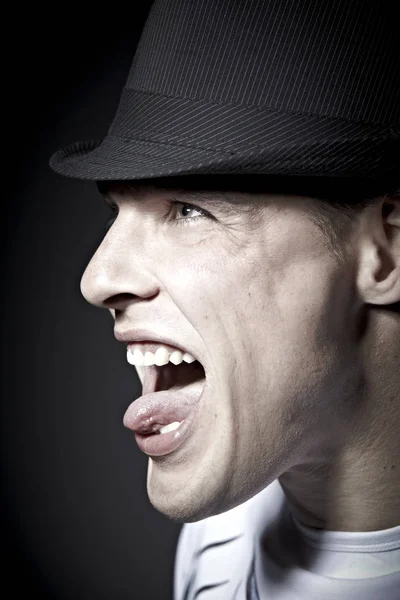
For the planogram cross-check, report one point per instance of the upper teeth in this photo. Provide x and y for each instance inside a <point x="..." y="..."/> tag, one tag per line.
<point x="161" y="357"/>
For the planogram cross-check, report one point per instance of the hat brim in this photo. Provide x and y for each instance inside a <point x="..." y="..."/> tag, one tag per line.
<point x="116" y="158"/>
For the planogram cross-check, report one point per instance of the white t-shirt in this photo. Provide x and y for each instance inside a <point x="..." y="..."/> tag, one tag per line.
<point x="259" y="548"/>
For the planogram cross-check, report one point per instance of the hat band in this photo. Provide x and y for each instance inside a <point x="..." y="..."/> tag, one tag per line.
<point x="222" y="127"/>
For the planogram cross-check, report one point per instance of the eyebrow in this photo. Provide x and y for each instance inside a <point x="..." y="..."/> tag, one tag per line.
<point x="223" y="201"/>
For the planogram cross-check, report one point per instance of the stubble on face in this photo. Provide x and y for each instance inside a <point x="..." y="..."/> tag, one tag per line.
<point x="268" y="303"/>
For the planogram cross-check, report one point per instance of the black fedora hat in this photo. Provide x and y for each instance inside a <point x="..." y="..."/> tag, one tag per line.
<point x="268" y="87"/>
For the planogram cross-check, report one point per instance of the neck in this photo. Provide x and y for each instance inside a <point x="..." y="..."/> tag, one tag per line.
<point x="346" y="493"/>
<point x="352" y="483"/>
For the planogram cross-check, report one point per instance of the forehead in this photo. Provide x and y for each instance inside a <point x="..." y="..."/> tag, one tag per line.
<point x="220" y="188"/>
<point x="231" y="188"/>
<point x="139" y="193"/>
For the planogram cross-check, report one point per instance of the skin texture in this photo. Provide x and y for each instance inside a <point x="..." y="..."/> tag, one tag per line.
<point x="301" y="356"/>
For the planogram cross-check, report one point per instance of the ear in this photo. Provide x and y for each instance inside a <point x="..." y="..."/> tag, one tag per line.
<point x="378" y="278"/>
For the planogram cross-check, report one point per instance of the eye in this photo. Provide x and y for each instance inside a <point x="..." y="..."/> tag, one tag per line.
<point x="188" y="220"/>
<point x="185" y="220"/>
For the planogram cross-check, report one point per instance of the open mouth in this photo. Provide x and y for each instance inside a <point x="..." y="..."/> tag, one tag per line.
<point x="164" y="417"/>
<point x="170" y="392"/>
<point x="172" y="376"/>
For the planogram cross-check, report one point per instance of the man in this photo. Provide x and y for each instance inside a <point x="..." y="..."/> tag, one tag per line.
<point x="253" y="166"/>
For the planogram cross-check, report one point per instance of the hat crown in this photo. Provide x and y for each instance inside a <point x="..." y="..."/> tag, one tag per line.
<point x="270" y="87"/>
<point x="338" y="59"/>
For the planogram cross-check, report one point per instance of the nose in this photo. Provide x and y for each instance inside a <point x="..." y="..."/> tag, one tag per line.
<point x="118" y="272"/>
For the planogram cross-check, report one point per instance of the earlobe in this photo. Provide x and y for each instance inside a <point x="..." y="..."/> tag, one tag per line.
<point x="379" y="269"/>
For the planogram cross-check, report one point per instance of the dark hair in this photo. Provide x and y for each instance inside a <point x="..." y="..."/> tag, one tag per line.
<point x="336" y="216"/>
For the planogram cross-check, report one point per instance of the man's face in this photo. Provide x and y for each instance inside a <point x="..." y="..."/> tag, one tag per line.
<point x="268" y="310"/>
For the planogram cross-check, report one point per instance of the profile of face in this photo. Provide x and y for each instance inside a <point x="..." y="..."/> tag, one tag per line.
<point x="272" y="316"/>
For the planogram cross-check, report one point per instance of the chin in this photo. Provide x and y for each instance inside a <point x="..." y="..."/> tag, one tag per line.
<point x="181" y="501"/>
<point x="186" y="507"/>
<point x="178" y="512"/>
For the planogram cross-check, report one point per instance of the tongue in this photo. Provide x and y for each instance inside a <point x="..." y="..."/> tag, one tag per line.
<point x="153" y="410"/>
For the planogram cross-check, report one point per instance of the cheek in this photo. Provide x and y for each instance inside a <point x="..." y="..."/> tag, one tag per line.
<point x="301" y="353"/>
<point x="310" y="309"/>
<point x="198" y="286"/>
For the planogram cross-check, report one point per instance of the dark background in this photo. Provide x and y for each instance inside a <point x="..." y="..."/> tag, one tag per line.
<point x="76" y="519"/>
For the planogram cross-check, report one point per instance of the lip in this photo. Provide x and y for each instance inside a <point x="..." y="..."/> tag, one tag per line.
<point x="162" y="444"/>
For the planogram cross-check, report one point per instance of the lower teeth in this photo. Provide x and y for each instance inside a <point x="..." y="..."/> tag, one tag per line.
<point x="170" y="427"/>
